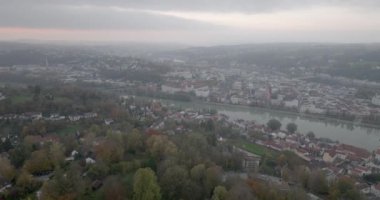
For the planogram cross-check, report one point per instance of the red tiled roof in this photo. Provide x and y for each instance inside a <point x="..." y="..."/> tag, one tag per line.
<point x="363" y="153"/>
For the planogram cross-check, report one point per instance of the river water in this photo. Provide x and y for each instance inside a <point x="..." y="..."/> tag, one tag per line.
<point x="344" y="132"/>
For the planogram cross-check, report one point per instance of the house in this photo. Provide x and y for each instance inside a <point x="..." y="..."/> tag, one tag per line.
<point x="354" y="152"/>
<point x="90" y="161"/>
<point x="74" y="118"/>
<point x="172" y="88"/>
<point x="202" y="91"/>
<point x="108" y="121"/>
<point x="359" y="171"/>
<point x="2" y="97"/>
<point x="90" y="115"/>
<point x="291" y="103"/>
<point x="377" y="155"/>
<point x="375" y="189"/>
<point x="329" y="156"/>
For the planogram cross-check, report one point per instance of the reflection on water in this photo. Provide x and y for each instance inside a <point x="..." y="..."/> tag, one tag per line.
<point x="344" y="132"/>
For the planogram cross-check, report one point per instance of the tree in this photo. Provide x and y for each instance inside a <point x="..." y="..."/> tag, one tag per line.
<point x="297" y="194"/>
<point x="318" y="183"/>
<point x="174" y="182"/>
<point x="310" y="135"/>
<point x="198" y="173"/>
<point x="24" y="179"/>
<point x="145" y="186"/>
<point x="36" y="92"/>
<point x="39" y="162"/>
<point x="113" y="189"/>
<point x="134" y="141"/>
<point x="161" y="147"/>
<point x="220" y="193"/>
<point x="68" y="186"/>
<point x="344" y="188"/>
<point x="7" y="171"/>
<point x="240" y="191"/>
<point x="110" y="150"/>
<point x="274" y="124"/>
<point x="213" y="178"/>
<point x="291" y="127"/>
<point x="18" y="155"/>
<point x="56" y="154"/>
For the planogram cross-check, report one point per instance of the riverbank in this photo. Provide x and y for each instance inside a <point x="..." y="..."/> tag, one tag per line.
<point x="311" y="116"/>
<point x="296" y="114"/>
<point x="355" y="134"/>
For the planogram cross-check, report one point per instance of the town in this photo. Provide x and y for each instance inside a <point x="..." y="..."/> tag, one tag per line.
<point x="94" y="122"/>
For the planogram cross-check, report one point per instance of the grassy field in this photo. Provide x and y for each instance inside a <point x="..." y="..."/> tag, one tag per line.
<point x="69" y="129"/>
<point x="20" y="99"/>
<point x="62" y="100"/>
<point x="251" y="147"/>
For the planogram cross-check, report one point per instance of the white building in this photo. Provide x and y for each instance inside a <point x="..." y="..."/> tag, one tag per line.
<point x="170" y="89"/>
<point x="310" y="108"/>
<point x="376" y="100"/>
<point x="202" y="92"/>
<point x="291" y="104"/>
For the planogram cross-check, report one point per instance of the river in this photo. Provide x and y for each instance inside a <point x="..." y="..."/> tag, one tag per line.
<point x="344" y="132"/>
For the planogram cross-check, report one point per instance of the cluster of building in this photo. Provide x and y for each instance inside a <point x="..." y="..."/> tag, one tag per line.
<point x="2" y="97"/>
<point x="51" y="117"/>
<point x="272" y="89"/>
<point x="334" y="158"/>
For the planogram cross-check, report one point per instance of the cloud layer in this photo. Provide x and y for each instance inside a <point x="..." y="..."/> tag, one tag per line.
<point x="198" y="20"/>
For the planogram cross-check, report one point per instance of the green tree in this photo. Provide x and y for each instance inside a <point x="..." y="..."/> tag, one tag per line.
<point x="134" y="141"/>
<point x="274" y="124"/>
<point x="291" y="127"/>
<point x="145" y="186"/>
<point x="174" y="182"/>
<point x="310" y="135"/>
<point x="65" y="185"/>
<point x="220" y="193"/>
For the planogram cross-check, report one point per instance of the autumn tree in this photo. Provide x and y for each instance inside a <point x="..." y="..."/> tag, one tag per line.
<point x="297" y="194"/>
<point x="318" y="183"/>
<point x="113" y="189"/>
<point x="110" y="150"/>
<point x="220" y="193"/>
<point x="344" y="188"/>
<point x="39" y="162"/>
<point x="145" y="186"/>
<point x="240" y="191"/>
<point x="56" y="154"/>
<point x="160" y="147"/>
<point x="7" y="171"/>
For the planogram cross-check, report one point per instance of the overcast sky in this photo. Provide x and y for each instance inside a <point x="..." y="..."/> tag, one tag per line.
<point x="194" y="22"/>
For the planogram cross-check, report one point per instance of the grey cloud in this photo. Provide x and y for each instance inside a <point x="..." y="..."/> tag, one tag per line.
<point x="90" y="17"/>
<point x="207" y="5"/>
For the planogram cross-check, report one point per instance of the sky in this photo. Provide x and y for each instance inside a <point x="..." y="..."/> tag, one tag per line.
<point x="193" y="22"/>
